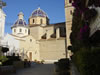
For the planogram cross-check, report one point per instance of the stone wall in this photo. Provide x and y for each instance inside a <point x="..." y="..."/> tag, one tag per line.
<point x="52" y="49"/>
<point x="27" y="46"/>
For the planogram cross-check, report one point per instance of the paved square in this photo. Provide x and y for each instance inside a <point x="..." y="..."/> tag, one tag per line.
<point x="38" y="69"/>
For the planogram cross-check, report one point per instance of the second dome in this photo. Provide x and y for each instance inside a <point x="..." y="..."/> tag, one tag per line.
<point x="39" y="12"/>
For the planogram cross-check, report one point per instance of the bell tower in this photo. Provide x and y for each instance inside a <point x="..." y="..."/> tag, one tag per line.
<point x="2" y="19"/>
<point x="68" y="15"/>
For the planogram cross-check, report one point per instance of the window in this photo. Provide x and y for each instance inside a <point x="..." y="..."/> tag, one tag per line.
<point x="14" y="30"/>
<point x="41" y="21"/>
<point x="20" y="30"/>
<point x="71" y="12"/>
<point x="29" y="21"/>
<point x="28" y="31"/>
<point x="33" y="21"/>
<point x="30" y="40"/>
<point x="25" y="31"/>
<point x="70" y="1"/>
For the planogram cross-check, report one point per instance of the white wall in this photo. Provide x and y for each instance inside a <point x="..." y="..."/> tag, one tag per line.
<point x="18" y="33"/>
<point x="11" y="42"/>
<point x="2" y="22"/>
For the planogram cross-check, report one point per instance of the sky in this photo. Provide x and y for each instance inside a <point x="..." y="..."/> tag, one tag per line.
<point x="53" y="8"/>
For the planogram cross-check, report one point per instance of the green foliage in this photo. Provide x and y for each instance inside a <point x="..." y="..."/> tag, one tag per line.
<point x="85" y="57"/>
<point x="82" y="17"/>
<point x="3" y="58"/>
<point x="11" y="59"/>
<point x="87" y="61"/>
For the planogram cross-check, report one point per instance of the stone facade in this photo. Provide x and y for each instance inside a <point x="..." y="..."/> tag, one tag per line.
<point x="52" y="49"/>
<point x="29" y="46"/>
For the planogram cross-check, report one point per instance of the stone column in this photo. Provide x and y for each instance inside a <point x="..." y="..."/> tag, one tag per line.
<point x="48" y="35"/>
<point x="58" y="33"/>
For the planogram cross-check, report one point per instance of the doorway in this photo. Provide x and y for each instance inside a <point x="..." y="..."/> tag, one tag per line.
<point x="30" y="56"/>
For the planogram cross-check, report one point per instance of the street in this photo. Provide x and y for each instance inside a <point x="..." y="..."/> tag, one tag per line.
<point x="37" y="69"/>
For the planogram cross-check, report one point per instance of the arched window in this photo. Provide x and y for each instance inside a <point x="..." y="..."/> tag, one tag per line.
<point x="25" y="31"/>
<point x="20" y="30"/>
<point x="71" y="12"/>
<point x="14" y="30"/>
<point x="33" y="21"/>
<point x="28" y="31"/>
<point x="41" y="21"/>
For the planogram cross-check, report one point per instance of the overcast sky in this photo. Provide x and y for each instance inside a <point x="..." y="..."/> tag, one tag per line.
<point x="53" y="8"/>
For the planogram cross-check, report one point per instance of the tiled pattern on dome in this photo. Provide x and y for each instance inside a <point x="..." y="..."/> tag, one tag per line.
<point x="39" y="12"/>
<point x="20" y="22"/>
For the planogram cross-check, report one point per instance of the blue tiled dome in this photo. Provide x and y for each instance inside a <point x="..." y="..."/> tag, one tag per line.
<point x="20" y="22"/>
<point x="39" y="12"/>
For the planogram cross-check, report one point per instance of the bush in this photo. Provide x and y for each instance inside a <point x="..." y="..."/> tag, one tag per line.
<point x="87" y="61"/>
<point x="64" y="64"/>
<point x="62" y="67"/>
<point x="11" y="59"/>
<point x="3" y="58"/>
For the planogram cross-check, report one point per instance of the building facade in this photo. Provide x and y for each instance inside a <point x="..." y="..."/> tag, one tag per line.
<point x="39" y="40"/>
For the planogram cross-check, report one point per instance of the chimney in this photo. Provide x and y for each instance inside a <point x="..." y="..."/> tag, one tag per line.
<point x="58" y="33"/>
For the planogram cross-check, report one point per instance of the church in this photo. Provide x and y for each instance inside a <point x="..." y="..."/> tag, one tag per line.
<point x="38" y="40"/>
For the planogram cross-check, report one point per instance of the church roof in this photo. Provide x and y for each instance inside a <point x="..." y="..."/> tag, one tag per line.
<point x="39" y="12"/>
<point x="20" y="21"/>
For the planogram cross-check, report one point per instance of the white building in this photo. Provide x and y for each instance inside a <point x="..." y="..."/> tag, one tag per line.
<point x="2" y="22"/>
<point x="10" y="42"/>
